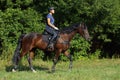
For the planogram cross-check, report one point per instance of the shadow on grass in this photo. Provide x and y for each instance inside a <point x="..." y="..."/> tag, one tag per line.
<point x="26" y="68"/>
<point x="37" y="68"/>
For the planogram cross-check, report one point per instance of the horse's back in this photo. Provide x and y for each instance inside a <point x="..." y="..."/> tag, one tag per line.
<point x="31" y="39"/>
<point x="32" y="36"/>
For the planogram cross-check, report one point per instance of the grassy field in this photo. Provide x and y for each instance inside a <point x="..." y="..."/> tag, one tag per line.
<point x="104" y="69"/>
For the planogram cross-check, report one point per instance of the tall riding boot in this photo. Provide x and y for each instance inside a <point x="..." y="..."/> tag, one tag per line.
<point x="51" y="45"/>
<point x="52" y="41"/>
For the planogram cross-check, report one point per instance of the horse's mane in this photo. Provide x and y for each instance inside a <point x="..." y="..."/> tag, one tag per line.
<point x="70" y="28"/>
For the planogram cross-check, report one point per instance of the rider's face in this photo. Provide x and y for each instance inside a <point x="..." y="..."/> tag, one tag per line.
<point x="52" y="11"/>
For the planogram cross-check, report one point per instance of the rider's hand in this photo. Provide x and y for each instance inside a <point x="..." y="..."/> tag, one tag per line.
<point x="56" y="28"/>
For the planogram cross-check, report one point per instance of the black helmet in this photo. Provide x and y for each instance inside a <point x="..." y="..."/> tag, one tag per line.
<point x="51" y="8"/>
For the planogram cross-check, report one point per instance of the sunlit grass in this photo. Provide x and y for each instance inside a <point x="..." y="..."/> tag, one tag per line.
<point x="106" y="69"/>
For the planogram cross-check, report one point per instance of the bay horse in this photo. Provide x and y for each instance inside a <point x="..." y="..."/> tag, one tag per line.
<point x="29" y="42"/>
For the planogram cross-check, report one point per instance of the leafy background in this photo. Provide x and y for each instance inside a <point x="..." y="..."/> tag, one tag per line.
<point x="101" y="16"/>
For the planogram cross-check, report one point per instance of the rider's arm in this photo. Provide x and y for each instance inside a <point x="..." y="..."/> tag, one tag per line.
<point x="51" y="25"/>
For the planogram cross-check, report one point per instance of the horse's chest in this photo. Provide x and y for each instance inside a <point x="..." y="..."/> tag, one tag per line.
<point x="65" y="46"/>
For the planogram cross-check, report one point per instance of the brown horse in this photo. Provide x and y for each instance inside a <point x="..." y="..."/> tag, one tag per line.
<point x="29" y="42"/>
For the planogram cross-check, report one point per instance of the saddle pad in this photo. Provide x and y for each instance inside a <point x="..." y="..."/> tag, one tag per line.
<point x="46" y="38"/>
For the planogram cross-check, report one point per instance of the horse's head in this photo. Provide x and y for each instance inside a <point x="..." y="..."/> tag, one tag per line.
<point x="83" y="31"/>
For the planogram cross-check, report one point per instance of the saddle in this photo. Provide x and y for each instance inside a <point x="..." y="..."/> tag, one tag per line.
<point x="46" y="36"/>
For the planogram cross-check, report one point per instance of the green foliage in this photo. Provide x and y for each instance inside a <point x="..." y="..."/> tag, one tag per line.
<point x="14" y="22"/>
<point x="101" y="16"/>
<point x="96" y="54"/>
<point x="79" y="47"/>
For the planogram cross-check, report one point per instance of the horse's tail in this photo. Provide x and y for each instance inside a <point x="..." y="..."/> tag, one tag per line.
<point x="16" y="55"/>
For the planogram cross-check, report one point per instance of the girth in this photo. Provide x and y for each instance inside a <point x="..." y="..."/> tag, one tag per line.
<point x="65" y="42"/>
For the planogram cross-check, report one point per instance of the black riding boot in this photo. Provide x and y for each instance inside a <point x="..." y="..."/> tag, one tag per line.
<point x="51" y="44"/>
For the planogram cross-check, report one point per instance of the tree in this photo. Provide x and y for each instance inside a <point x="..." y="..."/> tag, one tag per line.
<point x="101" y="16"/>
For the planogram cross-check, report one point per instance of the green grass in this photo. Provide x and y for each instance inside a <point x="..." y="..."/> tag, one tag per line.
<point x="104" y="69"/>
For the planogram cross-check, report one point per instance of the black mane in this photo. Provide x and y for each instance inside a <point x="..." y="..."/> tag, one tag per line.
<point x="70" y="28"/>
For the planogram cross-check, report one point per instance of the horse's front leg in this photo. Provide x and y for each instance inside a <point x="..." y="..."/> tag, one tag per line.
<point x="31" y="55"/>
<point x="69" y="57"/>
<point x="57" y="53"/>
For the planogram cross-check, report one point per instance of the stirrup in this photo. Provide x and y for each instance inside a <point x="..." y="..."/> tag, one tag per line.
<point x="50" y="47"/>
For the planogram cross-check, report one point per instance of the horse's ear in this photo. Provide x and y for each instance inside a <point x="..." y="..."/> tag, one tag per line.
<point x="85" y="26"/>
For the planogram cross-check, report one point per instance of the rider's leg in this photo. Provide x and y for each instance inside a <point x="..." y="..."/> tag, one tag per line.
<point x="54" y="35"/>
<point x="52" y="40"/>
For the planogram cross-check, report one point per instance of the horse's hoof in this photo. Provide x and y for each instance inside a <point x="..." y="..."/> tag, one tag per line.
<point x="34" y="71"/>
<point x="53" y="70"/>
<point x="13" y="70"/>
<point x="70" y="70"/>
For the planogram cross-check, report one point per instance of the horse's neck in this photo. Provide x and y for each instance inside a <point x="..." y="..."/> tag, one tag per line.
<point x="71" y="35"/>
<point x="68" y="36"/>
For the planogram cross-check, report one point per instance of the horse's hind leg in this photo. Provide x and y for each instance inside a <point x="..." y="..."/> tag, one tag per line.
<point x="18" y="59"/>
<point x="31" y="55"/>
<point x="16" y="64"/>
<point x="69" y="57"/>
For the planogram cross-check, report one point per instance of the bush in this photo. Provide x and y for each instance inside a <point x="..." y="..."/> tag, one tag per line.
<point x="15" y="22"/>
<point x="25" y="16"/>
